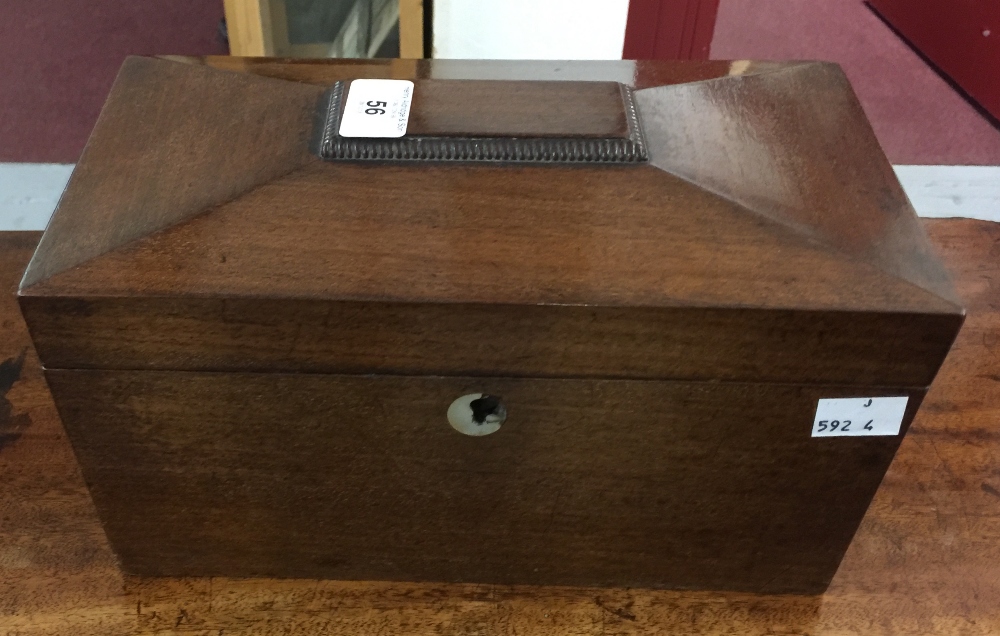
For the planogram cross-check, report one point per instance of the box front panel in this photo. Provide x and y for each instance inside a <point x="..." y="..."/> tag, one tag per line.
<point x="587" y="482"/>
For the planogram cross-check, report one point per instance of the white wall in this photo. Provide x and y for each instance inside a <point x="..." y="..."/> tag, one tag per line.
<point x="529" y="29"/>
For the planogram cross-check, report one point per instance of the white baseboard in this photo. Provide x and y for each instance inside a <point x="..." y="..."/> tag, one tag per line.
<point x="971" y="192"/>
<point x="29" y="192"/>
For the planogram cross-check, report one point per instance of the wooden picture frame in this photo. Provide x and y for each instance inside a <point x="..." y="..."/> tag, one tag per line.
<point x="259" y="28"/>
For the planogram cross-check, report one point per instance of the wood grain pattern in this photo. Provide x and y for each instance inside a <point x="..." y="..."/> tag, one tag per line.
<point x="696" y="482"/>
<point x="398" y="240"/>
<point x="411" y="29"/>
<point x="589" y="482"/>
<point x="473" y="108"/>
<point x="925" y="560"/>
<point x="852" y="348"/>
<point x="368" y="230"/>
<point x="158" y="137"/>
<point x="249" y="27"/>
<point x="755" y="140"/>
<point x="605" y="236"/>
<point x="560" y="236"/>
<point x="559" y="252"/>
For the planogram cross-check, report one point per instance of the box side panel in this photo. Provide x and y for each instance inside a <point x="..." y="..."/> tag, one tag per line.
<point x="610" y="483"/>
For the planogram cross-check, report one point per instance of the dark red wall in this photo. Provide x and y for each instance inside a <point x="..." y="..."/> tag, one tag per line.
<point x="669" y="29"/>
<point x="961" y="37"/>
<point x="918" y="118"/>
<point x="59" y="57"/>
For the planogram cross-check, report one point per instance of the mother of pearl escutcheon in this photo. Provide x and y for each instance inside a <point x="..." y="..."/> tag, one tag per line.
<point x="477" y="414"/>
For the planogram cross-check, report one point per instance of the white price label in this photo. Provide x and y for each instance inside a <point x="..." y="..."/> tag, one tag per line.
<point x="845" y="417"/>
<point x="376" y="108"/>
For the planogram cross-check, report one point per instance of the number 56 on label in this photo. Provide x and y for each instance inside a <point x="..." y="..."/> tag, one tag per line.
<point x="376" y="108"/>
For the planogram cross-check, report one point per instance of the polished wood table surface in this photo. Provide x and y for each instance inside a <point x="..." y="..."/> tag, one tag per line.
<point x="925" y="561"/>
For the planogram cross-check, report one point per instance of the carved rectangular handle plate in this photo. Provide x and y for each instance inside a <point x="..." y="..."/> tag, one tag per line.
<point x="497" y="121"/>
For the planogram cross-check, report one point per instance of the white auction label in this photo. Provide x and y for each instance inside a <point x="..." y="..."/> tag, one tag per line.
<point x="376" y="108"/>
<point x="844" y="417"/>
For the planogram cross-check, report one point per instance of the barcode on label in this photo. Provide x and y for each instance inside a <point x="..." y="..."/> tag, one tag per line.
<point x="845" y="417"/>
<point x="376" y="108"/>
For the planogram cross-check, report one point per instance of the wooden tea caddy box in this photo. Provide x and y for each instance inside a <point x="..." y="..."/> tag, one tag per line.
<point x="254" y="327"/>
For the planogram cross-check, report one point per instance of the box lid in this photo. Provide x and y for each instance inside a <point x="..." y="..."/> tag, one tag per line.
<point x="755" y="232"/>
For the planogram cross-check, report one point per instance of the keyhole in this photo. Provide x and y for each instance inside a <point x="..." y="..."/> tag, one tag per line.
<point x="483" y="407"/>
<point x="477" y="414"/>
